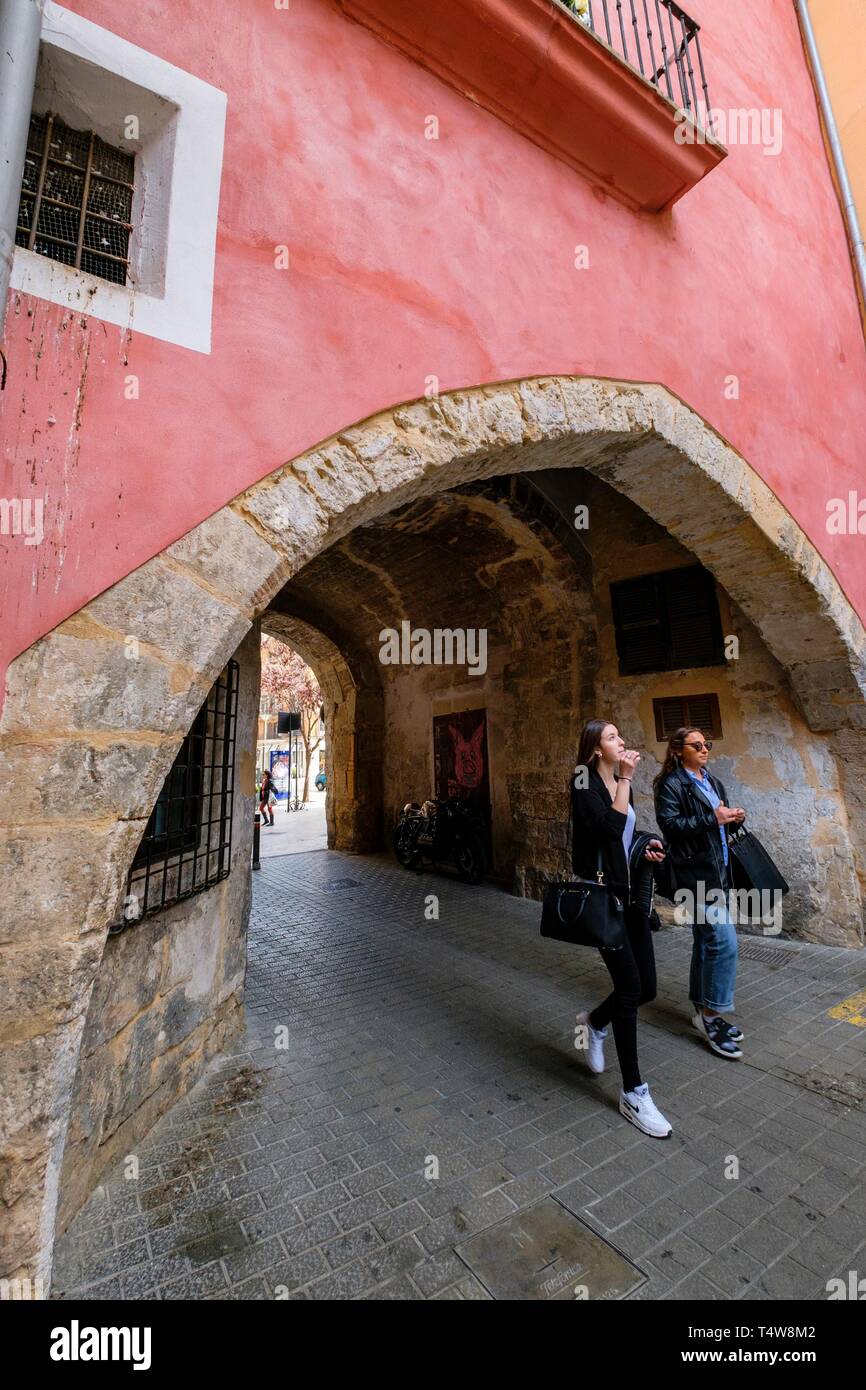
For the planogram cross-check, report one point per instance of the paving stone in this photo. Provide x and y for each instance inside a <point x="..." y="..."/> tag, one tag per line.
<point x="695" y="1287"/>
<point x="400" y="1257"/>
<point x="343" y="1249"/>
<point x="611" y="1211"/>
<point x="373" y="1179"/>
<point x="438" y="1272"/>
<point x="155" y="1272"/>
<point x="295" y="1272"/>
<point x="326" y="1199"/>
<point x="257" y="1258"/>
<point x="677" y="1255"/>
<point x="318" y="1184"/>
<point x="744" y="1206"/>
<point x="787" y="1279"/>
<point x="345" y="1283"/>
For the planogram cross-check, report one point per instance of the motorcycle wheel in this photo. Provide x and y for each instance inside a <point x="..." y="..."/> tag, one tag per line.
<point x="470" y="859"/>
<point x="406" y="853"/>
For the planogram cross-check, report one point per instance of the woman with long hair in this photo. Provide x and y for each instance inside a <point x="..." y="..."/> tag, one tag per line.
<point x="603" y="824"/>
<point x="265" y="798"/>
<point x="692" y="814"/>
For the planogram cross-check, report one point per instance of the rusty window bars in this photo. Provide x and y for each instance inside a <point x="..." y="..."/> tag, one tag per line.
<point x="76" y="199"/>
<point x="186" y="846"/>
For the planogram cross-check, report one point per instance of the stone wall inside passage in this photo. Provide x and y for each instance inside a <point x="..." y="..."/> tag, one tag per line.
<point x="168" y="994"/>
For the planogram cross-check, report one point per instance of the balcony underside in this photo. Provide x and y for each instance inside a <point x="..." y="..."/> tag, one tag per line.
<point x="535" y="67"/>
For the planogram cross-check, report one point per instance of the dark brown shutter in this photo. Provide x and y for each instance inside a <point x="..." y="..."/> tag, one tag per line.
<point x="641" y="631"/>
<point x="687" y="711"/>
<point x="667" y="621"/>
<point x="693" y="617"/>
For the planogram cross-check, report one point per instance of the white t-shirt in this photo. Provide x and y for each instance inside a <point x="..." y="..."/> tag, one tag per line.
<point x="628" y="833"/>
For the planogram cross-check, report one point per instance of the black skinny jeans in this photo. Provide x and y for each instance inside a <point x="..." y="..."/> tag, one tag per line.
<point x="633" y="971"/>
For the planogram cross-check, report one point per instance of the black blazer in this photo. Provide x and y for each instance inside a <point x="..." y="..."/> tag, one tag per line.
<point x="691" y="832"/>
<point x="595" y="824"/>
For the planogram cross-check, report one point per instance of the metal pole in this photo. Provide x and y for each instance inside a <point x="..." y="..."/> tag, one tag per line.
<point x="20" y="32"/>
<point x="846" y="192"/>
<point x="257" y="840"/>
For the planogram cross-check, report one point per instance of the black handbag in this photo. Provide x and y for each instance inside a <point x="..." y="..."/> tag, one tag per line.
<point x="584" y="912"/>
<point x="751" y="865"/>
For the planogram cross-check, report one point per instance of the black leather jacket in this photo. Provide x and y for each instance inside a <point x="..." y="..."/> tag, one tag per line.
<point x="690" y="831"/>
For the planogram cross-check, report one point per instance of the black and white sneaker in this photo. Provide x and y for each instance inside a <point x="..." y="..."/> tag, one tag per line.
<point x="736" y="1033"/>
<point x="638" y="1107"/>
<point x="718" y="1034"/>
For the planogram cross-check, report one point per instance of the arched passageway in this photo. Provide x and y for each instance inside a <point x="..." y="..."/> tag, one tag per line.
<point x="117" y="723"/>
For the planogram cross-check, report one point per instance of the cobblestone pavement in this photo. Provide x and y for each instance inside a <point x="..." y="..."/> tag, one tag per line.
<point x="296" y="832"/>
<point x="300" y="1169"/>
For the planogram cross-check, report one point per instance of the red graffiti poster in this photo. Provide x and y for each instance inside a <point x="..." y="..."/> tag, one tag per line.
<point x="460" y="758"/>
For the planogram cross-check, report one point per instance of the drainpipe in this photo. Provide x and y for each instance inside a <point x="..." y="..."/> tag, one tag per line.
<point x="20" y="31"/>
<point x="846" y="193"/>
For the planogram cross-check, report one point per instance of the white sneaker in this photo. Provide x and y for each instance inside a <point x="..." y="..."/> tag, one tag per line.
<point x="638" y="1107"/>
<point x="595" y="1046"/>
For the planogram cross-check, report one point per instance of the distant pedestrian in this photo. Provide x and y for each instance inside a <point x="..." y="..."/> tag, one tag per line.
<point x="267" y="798"/>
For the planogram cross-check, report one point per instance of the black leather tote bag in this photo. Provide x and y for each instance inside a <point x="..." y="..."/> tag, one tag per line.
<point x="584" y="912"/>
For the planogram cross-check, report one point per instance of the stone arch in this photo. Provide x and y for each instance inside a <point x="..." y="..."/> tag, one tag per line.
<point x="106" y="697"/>
<point x="495" y="556"/>
<point x="354" y="721"/>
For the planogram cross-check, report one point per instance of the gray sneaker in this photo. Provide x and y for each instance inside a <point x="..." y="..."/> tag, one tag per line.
<point x="718" y="1034"/>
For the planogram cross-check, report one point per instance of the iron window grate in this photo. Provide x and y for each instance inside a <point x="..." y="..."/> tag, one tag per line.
<point x="186" y="846"/>
<point x="76" y="199"/>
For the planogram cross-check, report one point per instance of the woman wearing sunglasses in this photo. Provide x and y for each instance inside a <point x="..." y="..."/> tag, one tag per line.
<point x="692" y="815"/>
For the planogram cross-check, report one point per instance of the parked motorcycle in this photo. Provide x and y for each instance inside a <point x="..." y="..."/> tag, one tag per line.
<point x="442" y="831"/>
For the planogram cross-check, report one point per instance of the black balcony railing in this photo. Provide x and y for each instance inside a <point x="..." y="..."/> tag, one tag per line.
<point x="659" y="40"/>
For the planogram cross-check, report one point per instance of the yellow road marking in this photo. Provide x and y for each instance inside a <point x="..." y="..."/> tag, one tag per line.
<point x="851" y="1010"/>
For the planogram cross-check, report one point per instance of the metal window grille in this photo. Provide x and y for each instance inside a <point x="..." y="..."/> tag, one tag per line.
<point x="674" y="712"/>
<point x="76" y="199"/>
<point x="658" y="39"/>
<point x="186" y="846"/>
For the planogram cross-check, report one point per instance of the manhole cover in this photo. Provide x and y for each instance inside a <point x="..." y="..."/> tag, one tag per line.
<point x="338" y="885"/>
<point x="767" y="955"/>
<point x="546" y="1253"/>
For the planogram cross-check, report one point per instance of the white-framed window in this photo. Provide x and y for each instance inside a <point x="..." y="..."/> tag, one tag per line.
<point x="173" y="124"/>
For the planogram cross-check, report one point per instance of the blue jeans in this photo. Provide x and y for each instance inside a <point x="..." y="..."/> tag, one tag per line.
<point x="714" y="961"/>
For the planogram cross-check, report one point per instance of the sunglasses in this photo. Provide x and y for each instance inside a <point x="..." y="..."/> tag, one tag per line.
<point x="698" y="746"/>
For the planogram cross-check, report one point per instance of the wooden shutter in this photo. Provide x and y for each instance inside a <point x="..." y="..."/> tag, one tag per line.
<point x="687" y="711"/>
<point x="641" y="630"/>
<point x="693" y="617"/>
<point x="667" y="621"/>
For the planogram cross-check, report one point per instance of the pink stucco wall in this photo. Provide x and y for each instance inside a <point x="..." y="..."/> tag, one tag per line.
<point x="411" y="258"/>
